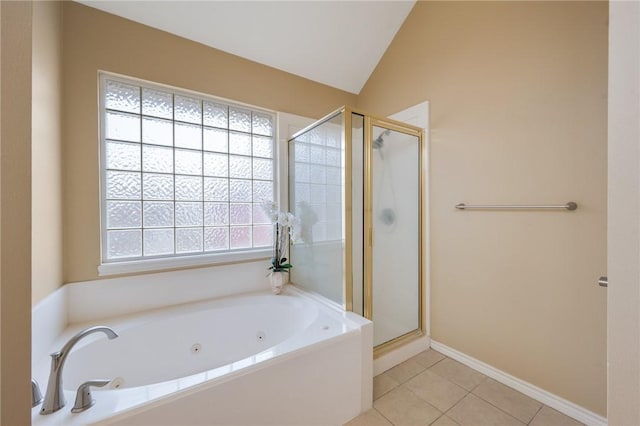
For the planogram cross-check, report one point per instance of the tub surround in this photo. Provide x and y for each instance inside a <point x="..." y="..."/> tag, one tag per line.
<point x="337" y="344"/>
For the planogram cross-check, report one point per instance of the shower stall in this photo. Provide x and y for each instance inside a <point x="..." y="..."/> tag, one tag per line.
<point x="356" y="183"/>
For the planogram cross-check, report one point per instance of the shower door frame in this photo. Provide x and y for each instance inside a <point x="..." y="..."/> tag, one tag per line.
<point x="369" y="122"/>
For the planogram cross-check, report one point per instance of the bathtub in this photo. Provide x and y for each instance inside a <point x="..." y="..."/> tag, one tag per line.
<point x="250" y="359"/>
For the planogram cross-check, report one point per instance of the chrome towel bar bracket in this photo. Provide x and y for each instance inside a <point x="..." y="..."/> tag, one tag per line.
<point x="569" y="206"/>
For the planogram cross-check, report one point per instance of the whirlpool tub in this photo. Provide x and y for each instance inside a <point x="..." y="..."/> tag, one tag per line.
<point x="249" y="359"/>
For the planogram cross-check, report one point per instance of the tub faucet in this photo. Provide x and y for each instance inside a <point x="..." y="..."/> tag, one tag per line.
<point x="54" y="396"/>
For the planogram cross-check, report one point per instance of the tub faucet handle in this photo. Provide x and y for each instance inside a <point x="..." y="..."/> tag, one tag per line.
<point x="84" y="399"/>
<point x="36" y="395"/>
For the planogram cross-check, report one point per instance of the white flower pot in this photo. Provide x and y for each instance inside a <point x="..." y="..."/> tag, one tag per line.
<point x="278" y="281"/>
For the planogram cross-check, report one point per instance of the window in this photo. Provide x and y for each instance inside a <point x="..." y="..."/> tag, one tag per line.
<point x="183" y="174"/>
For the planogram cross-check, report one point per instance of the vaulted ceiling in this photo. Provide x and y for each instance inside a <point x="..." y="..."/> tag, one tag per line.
<point x="338" y="43"/>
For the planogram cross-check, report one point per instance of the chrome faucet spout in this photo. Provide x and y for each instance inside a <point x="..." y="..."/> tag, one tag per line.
<point x="54" y="396"/>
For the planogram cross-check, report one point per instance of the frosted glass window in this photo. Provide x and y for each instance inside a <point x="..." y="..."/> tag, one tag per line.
<point x="262" y="124"/>
<point x="189" y="240"/>
<point x="122" y="97"/>
<point x="157" y="131"/>
<point x="216" y="214"/>
<point x="158" y="241"/>
<point x="262" y="236"/>
<point x="124" y="127"/>
<point x="158" y="214"/>
<point x="239" y="167"/>
<point x="188" y="188"/>
<point x="216" y="239"/>
<point x="216" y="114"/>
<point x="188" y="162"/>
<point x="239" y="190"/>
<point x="122" y="156"/>
<point x="156" y="186"/>
<point x="240" y="236"/>
<point x="188" y="136"/>
<point x="124" y="244"/>
<point x="189" y="214"/>
<point x="216" y="164"/>
<point x="188" y="109"/>
<point x="239" y="143"/>
<point x="182" y="173"/>
<point x="216" y="140"/>
<point x="157" y="159"/>
<point x="262" y="147"/>
<point x="123" y="185"/>
<point x="262" y="191"/>
<point x="240" y="214"/>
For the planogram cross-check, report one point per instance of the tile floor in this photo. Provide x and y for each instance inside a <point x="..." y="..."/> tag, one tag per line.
<point x="431" y="389"/>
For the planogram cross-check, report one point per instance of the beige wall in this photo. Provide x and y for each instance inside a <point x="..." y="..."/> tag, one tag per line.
<point x="518" y="98"/>
<point x="46" y="228"/>
<point x="95" y="40"/>
<point x="15" y="212"/>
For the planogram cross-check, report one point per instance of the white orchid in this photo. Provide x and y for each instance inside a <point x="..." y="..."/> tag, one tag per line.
<point x="286" y="226"/>
<point x="286" y="219"/>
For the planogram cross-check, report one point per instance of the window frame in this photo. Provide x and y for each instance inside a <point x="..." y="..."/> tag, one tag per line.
<point x="175" y="260"/>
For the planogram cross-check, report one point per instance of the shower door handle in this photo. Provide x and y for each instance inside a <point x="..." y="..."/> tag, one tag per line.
<point x="603" y="281"/>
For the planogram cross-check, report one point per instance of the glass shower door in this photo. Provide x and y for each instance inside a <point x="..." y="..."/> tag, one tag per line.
<point x="394" y="219"/>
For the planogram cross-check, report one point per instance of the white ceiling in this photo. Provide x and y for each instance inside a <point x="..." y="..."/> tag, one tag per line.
<point x="338" y="43"/>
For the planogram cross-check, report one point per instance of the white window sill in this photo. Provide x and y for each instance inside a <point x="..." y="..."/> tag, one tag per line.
<point x="156" y="265"/>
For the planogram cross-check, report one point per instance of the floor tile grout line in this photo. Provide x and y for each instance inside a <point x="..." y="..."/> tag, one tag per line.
<point x="467" y="392"/>
<point x="433" y="422"/>
<point x="437" y="362"/>
<point x="411" y="377"/>
<point x="501" y="409"/>
<point x="537" y="412"/>
<point x="428" y="402"/>
<point x="481" y="382"/>
<point x="431" y="365"/>
<point x="422" y="399"/>
<point x="385" y="417"/>
<point x="457" y="384"/>
<point x="457" y="402"/>
<point x="396" y="386"/>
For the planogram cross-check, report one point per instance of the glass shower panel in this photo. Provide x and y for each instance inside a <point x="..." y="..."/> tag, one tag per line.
<point x="316" y="198"/>
<point x="395" y="203"/>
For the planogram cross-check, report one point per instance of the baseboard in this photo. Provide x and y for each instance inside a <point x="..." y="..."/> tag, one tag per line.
<point x="562" y="405"/>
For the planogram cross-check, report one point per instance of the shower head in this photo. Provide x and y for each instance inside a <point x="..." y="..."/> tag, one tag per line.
<point x="379" y="141"/>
